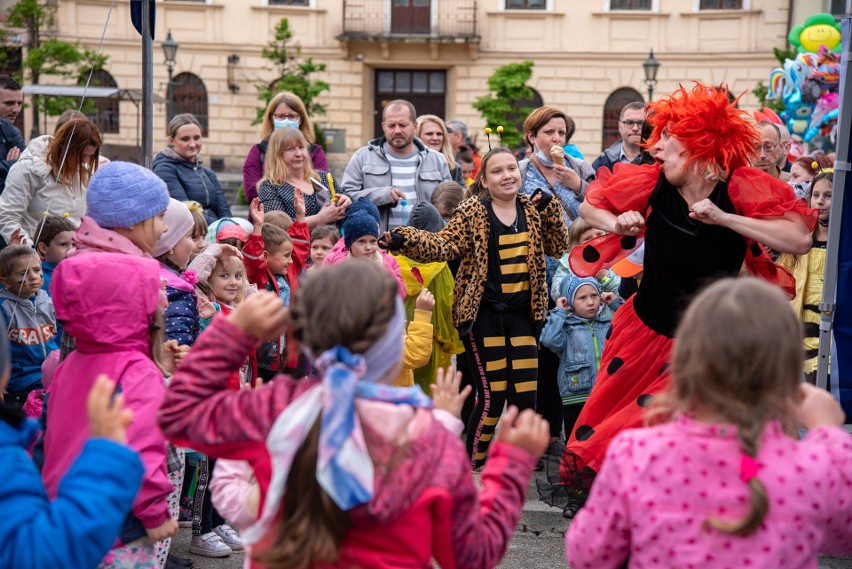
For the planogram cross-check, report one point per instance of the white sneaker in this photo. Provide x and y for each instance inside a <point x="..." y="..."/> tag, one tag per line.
<point x="230" y="536"/>
<point x="210" y="545"/>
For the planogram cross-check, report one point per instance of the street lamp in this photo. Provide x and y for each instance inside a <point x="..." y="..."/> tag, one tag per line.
<point x="170" y="47"/>
<point x="651" y="66"/>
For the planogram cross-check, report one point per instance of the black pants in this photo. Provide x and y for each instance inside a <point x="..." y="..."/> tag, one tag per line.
<point x="570" y="413"/>
<point x="548" y="402"/>
<point x="204" y="515"/>
<point x="503" y="367"/>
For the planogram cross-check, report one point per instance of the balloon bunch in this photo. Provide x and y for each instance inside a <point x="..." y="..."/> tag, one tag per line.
<point x="808" y="85"/>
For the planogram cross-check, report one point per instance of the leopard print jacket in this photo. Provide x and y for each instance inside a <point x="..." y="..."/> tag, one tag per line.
<point x="466" y="236"/>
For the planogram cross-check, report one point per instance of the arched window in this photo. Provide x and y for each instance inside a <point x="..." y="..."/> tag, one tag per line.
<point x="188" y="95"/>
<point x="612" y="112"/>
<point x="533" y="102"/>
<point x="105" y="111"/>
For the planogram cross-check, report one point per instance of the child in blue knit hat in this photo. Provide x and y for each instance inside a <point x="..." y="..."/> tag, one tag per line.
<point x="361" y="235"/>
<point x="126" y="205"/>
<point x="576" y="331"/>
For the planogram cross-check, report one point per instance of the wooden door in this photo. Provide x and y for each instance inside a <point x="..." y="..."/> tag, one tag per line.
<point x="411" y="17"/>
<point x="425" y="89"/>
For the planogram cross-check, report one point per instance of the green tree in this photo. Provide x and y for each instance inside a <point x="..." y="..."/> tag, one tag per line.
<point x="35" y="19"/>
<point x="294" y="74"/>
<point x="504" y="106"/>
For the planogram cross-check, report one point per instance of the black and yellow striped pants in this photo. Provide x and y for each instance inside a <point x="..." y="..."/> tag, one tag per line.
<point x="504" y="368"/>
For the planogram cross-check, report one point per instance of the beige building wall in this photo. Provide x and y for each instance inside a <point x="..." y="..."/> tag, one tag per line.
<point x="582" y="53"/>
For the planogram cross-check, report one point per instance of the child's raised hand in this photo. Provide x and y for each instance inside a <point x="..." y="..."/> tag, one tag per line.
<point x="526" y="430"/>
<point x="817" y="408"/>
<point x="262" y="315"/>
<point x="445" y="391"/>
<point x="229" y="251"/>
<point x="256" y="212"/>
<point x="108" y="419"/>
<point x="562" y="303"/>
<point x="607" y="297"/>
<point x="18" y="237"/>
<point x="425" y="300"/>
<point x="206" y="309"/>
<point x="299" y="205"/>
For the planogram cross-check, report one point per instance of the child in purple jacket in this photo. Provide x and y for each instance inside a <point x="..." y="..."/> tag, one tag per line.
<point x="721" y="483"/>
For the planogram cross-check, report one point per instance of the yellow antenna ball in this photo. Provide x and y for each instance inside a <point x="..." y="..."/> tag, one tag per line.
<point x="500" y="130"/>
<point x="815" y="165"/>
<point x="487" y="130"/>
<point x="46" y="213"/>
<point x="65" y="214"/>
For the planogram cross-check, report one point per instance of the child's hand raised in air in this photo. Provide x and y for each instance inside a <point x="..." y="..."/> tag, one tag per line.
<point x="257" y="214"/>
<point x="229" y="251"/>
<point x="262" y="315"/>
<point x="425" y="300"/>
<point x="299" y="205"/>
<point x="108" y="419"/>
<point x="18" y="237"/>
<point x="817" y="408"/>
<point x="526" y="430"/>
<point x="173" y="353"/>
<point x="607" y="297"/>
<point x="562" y="303"/>
<point x="445" y="391"/>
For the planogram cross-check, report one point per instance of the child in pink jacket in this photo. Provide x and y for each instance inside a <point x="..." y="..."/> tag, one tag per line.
<point x="394" y="487"/>
<point x="721" y="484"/>
<point x="109" y="302"/>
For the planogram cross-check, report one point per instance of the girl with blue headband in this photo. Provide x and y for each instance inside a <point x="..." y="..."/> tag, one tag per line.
<point x="352" y="471"/>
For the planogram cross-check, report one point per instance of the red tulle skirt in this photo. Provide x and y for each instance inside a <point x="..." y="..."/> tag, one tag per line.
<point x="634" y="366"/>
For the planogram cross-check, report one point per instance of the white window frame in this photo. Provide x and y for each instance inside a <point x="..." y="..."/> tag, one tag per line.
<point x="696" y="6"/>
<point x="548" y="7"/>
<point x="607" y="7"/>
<point x="847" y="11"/>
<point x="268" y="4"/>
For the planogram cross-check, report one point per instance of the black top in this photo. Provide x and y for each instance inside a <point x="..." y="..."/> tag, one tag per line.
<point x="508" y="281"/>
<point x="682" y="256"/>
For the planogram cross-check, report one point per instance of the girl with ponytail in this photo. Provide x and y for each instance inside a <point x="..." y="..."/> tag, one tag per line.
<point x="352" y="471"/>
<point x="715" y="481"/>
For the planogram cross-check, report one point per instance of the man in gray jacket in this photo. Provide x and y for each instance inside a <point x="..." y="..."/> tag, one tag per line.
<point x="395" y="171"/>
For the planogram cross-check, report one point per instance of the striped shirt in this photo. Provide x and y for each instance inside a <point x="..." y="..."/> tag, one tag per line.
<point x="403" y="177"/>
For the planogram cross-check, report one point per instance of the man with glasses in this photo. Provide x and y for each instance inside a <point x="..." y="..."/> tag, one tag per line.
<point x="630" y="128"/>
<point x="770" y="149"/>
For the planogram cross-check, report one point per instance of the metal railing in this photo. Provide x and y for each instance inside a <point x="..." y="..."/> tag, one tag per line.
<point x="375" y="19"/>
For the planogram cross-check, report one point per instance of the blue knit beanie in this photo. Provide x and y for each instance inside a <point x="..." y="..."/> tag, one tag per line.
<point x="365" y="206"/>
<point x="121" y="194"/>
<point x="569" y="286"/>
<point x="358" y="225"/>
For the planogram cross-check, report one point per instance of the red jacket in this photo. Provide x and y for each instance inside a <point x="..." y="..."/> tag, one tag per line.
<point x="425" y="504"/>
<point x="258" y="274"/>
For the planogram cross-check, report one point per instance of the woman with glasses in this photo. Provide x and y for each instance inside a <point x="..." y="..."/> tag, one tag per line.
<point x="435" y="134"/>
<point x="702" y="212"/>
<point x="285" y="109"/>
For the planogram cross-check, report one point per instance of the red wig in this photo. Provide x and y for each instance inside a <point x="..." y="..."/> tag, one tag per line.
<point x="718" y="136"/>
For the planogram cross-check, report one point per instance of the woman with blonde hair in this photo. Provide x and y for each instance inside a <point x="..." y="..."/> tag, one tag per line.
<point x="51" y="176"/>
<point x="284" y="110"/>
<point x="435" y="134"/>
<point x="288" y="167"/>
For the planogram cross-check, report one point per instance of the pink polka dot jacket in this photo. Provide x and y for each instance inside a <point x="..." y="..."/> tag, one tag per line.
<point x="658" y="485"/>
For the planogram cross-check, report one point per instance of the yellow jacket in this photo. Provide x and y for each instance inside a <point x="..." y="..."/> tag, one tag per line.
<point x="417" y="348"/>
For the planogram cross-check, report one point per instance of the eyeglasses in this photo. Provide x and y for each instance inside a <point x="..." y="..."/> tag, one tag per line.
<point x="296" y="118"/>
<point x="631" y="124"/>
<point x="766" y="146"/>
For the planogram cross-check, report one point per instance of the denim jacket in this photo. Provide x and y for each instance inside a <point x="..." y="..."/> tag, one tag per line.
<point x="579" y="344"/>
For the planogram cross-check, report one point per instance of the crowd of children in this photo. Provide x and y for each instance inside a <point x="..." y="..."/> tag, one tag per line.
<point x="315" y="363"/>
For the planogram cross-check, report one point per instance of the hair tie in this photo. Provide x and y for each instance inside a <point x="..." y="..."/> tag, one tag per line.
<point x="748" y="468"/>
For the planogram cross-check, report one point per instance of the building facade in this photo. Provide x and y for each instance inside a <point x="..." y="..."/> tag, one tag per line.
<point x="437" y="53"/>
